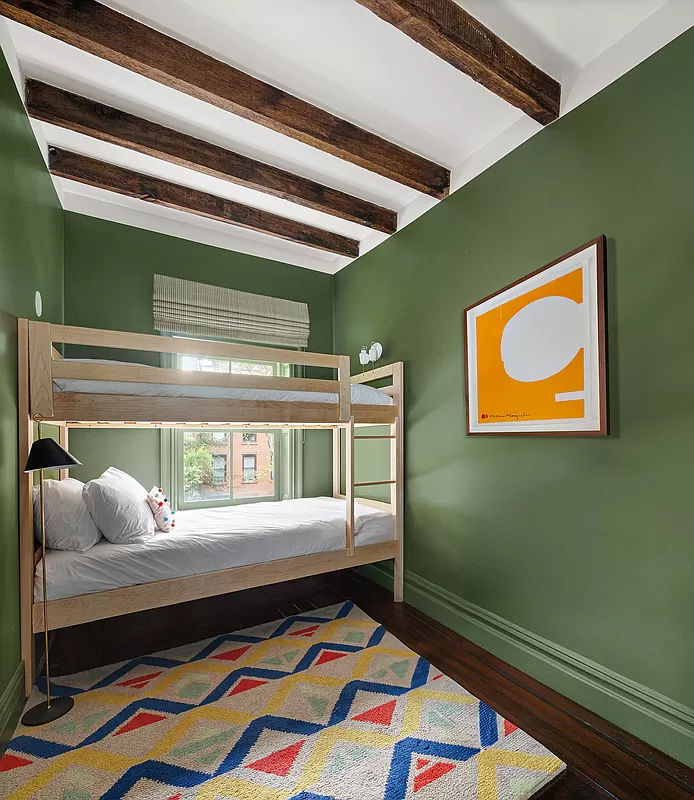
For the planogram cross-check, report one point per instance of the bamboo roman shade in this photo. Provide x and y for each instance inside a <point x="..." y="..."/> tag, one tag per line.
<point x="198" y="309"/>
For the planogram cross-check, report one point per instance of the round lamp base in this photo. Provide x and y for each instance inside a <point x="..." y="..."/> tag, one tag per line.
<point x="43" y="713"/>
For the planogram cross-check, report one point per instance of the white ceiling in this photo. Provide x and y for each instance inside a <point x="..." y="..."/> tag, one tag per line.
<point x="341" y="57"/>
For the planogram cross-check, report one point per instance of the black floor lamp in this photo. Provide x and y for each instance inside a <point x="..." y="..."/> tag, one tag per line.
<point x="47" y="454"/>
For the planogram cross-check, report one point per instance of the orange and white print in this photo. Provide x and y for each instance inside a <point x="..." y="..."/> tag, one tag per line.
<point x="532" y="354"/>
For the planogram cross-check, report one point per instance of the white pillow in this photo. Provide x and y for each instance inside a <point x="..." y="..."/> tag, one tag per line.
<point x="69" y="525"/>
<point x="118" y="505"/>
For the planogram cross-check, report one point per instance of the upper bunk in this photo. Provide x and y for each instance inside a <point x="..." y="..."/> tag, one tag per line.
<point x="95" y="392"/>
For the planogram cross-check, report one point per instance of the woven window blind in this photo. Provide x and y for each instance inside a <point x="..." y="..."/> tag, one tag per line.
<point x="199" y="309"/>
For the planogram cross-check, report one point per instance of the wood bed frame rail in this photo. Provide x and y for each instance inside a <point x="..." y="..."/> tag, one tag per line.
<point x="40" y="363"/>
<point x="46" y="363"/>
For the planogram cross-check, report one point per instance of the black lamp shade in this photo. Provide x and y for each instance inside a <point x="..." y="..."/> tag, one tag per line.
<point x="48" y="454"/>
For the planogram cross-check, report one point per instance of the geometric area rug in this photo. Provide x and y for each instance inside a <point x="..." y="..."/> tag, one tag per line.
<point x="319" y="706"/>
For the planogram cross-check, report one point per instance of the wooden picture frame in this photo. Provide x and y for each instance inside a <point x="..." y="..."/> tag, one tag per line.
<point x="535" y="352"/>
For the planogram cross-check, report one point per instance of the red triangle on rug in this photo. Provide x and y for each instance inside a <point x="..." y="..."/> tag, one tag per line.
<point x="327" y="656"/>
<point x="432" y="774"/>
<point x="244" y="685"/>
<point x="307" y="632"/>
<point x="141" y="680"/>
<point x="8" y="762"/>
<point x="279" y="763"/>
<point x="232" y="655"/>
<point x="381" y="715"/>
<point x="422" y="762"/>
<point x="509" y="727"/>
<point x="176" y="797"/>
<point x="139" y="721"/>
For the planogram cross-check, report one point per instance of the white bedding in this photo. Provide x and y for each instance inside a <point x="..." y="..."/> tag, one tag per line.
<point x="211" y="539"/>
<point x="361" y="394"/>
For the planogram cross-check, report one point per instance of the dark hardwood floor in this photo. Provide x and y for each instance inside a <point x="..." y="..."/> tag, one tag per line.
<point x="604" y="761"/>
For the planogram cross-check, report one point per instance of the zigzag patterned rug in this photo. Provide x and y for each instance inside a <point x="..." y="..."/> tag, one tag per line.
<point x="324" y="706"/>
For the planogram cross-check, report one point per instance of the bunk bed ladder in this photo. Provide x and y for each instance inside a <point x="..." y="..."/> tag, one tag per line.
<point x="396" y="478"/>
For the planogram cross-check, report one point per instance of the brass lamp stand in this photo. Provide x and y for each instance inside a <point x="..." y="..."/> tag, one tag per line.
<point x="47" y="454"/>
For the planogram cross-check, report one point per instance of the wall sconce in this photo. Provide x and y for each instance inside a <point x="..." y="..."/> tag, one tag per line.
<point x="370" y="354"/>
<point x="375" y="351"/>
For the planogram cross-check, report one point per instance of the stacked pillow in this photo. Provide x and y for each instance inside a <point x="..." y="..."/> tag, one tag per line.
<point x="115" y="505"/>
<point x="118" y="504"/>
<point x="69" y="525"/>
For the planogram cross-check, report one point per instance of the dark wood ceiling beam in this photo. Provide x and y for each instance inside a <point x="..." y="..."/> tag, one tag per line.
<point x="106" y="33"/>
<point x="92" y="172"/>
<point x="67" y="110"/>
<point x="446" y="29"/>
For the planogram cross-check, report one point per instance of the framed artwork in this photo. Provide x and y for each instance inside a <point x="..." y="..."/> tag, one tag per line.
<point x="535" y="353"/>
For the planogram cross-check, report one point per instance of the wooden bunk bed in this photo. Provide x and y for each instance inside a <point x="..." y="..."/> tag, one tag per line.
<point x="40" y="363"/>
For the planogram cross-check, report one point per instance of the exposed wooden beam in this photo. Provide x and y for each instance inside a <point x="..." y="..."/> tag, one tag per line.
<point x="80" y="168"/>
<point x="67" y="110"/>
<point x="100" y="30"/>
<point x="446" y="29"/>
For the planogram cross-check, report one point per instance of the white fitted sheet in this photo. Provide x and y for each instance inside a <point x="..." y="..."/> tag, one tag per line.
<point x="361" y="393"/>
<point x="206" y="540"/>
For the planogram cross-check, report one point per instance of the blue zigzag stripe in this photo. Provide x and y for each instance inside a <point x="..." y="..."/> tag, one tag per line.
<point x="311" y="796"/>
<point x="185" y="778"/>
<point x="489" y="728"/>
<point x="153" y="769"/>
<point x="396" y="787"/>
<point x="165" y="773"/>
<point x="39" y="747"/>
<point x="154" y="661"/>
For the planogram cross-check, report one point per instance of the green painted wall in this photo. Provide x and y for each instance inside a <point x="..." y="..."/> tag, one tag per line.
<point x="135" y="452"/>
<point x="109" y="272"/>
<point x="31" y="258"/>
<point x="587" y="542"/>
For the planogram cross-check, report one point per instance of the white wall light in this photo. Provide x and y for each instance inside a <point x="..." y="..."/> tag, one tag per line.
<point x="38" y="304"/>
<point x="370" y="354"/>
<point x="375" y="351"/>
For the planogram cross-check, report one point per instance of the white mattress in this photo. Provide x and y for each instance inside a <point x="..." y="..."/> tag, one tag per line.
<point x="207" y="540"/>
<point x="361" y="394"/>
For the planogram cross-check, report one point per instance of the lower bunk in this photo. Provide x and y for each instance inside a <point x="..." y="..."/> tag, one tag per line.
<point x="210" y="552"/>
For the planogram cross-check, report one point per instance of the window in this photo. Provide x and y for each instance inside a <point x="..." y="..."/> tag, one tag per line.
<point x="249" y="464"/>
<point x="219" y="468"/>
<point x="225" y="467"/>
<point x="208" y="364"/>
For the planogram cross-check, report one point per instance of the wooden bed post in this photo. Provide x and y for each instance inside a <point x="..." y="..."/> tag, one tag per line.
<point x="397" y="473"/>
<point x="26" y="512"/>
<point x="63" y="441"/>
<point x="40" y="381"/>
<point x="343" y="376"/>
<point x="337" y="461"/>
<point x="349" y="485"/>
